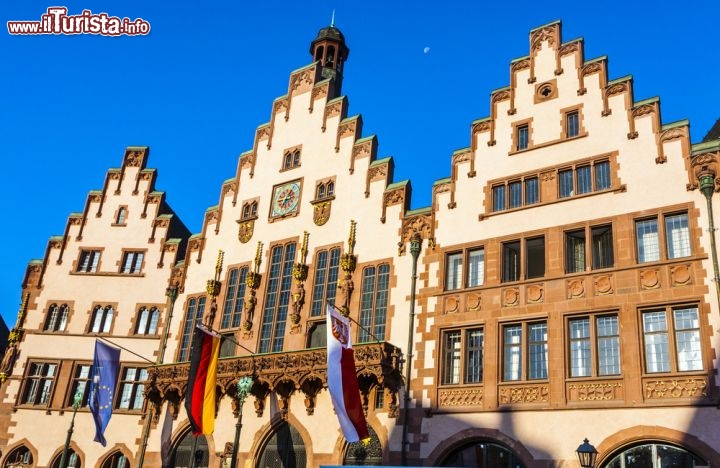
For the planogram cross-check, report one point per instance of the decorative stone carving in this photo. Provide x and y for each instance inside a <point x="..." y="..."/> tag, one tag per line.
<point x="421" y="224"/>
<point x="483" y="126"/>
<point x="500" y="96"/>
<point x="569" y="48"/>
<point x="680" y="275"/>
<point x="650" y="279"/>
<point x="576" y="288"/>
<point x="510" y="297"/>
<point x="596" y="391"/>
<point x="643" y="110"/>
<point x="535" y="293"/>
<point x="474" y="302"/>
<point x="520" y="65"/>
<point x="460" y="397"/>
<point x="134" y="158"/>
<point x="591" y="68"/>
<point x="509" y="395"/>
<point x="452" y="304"/>
<point x="694" y="387"/>
<point x="603" y="285"/>
<point x="616" y="89"/>
<point x="321" y="212"/>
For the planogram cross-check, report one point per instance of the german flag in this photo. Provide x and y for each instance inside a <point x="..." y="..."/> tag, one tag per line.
<point x="200" y="394"/>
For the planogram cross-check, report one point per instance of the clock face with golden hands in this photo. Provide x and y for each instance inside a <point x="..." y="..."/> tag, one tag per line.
<point x="285" y="199"/>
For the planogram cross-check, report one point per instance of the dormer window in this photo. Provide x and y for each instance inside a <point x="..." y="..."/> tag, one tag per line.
<point x="249" y="210"/>
<point x="325" y="189"/>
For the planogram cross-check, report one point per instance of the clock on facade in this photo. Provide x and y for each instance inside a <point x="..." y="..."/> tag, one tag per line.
<point x="285" y="199"/>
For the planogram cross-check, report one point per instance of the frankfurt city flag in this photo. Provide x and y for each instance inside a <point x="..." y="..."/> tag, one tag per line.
<point x="342" y="377"/>
<point x="104" y="372"/>
<point x="200" y="395"/>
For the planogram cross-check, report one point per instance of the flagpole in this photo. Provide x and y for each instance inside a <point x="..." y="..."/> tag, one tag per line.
<point x="171" y="293"/>
<point x="66" y="449"/>
<point x="123" y="348"/>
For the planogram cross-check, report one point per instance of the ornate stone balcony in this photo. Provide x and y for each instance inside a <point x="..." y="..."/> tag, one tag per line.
<point x="287" y="374"/>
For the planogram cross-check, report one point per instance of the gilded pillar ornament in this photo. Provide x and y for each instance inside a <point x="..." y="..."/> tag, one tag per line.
<point x="299" y="272"/>
<point x="348" y="262"/>
<point x="213" y="290"/>
<point x="252" y="281"/>
<point x="11" y="352"/>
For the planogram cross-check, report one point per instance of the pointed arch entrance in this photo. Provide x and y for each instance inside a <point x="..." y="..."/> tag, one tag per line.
<point x="191" y="452"/>
<point x="285" y="448"/>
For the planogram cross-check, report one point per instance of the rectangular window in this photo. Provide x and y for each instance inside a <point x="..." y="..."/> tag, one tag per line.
<point x="131" y="388"/>
<point x="575" y="251"/>
<point x="373" y="302"/>
<point x="678" y="235"/>
<point x="227" y="345"/>
<point x="522" y="137"/>
<point x="531" y="190"/>
<point x="572" y="124"/>
<point x="512" y="353"/>
<point x="451" y="358"/>
<point x="498" y="197"/>
<point x="535" y="255"/>
<point x="584" y="180"/>
<point x="599" y="335"/>
<point x="648" y="241"/>
<point x="38" y="383"/>
<point x="454" y="271"/>
<point x="476" y="267"/>
<point x="462" y="352"/>
<point x="602" y="175"/>
<point x="602" y="247"/>
<point x="537" y="351"/>
<point x="515" y="194"/>
<point x="80" y="385"/>
<point x="565" y="178"/>
<point x="88" y="261"/>
<point x="132" y="262"/>
<point x="511" y="261"/>
<point x="681" y="354"/>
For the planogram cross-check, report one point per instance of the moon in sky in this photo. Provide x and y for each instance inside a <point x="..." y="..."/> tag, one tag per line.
<point x="426" y="50"/>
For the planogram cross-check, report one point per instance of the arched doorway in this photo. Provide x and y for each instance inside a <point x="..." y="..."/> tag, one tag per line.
<point x="360" y="455"/>
<point x="19" y="458"/>
<point x="191" y="452"/>
<point x="655" y="455"/>
<point x="284" y="449"/>
<point x="482" y="454"/>
<point x="73" y="460"/>
<point x="116" y="460"/>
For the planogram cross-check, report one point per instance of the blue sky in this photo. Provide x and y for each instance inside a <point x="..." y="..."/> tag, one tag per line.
<point x="198" y="85"/>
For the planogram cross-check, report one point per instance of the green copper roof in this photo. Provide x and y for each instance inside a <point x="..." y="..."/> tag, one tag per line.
<point x="442" y="181"/>
<point x="484" y="119"/>
<point x="557" y="21"/>
<point x="596" y="59"/>
<point x="76" y="215"/>
<point x="417" y="211"/>
<point x="173" y="240"/>
<point x="364" y="139"/>
<point x="620" y="80"/>
<point x="461" y="150"/>
<point x="706" y="145"/>
<point x="56" y="238"/>
<point x="646" y="101"/>
<point x="136" y="148"/>
<point x="35" y="261"/>
<point x="211" y="208"/>
<point x="497" y="90"/>
<point x="379" y="162"/>
<point x="395" y="185"/>
<point x="679" y="123"/>
<point x="519" y="59"/>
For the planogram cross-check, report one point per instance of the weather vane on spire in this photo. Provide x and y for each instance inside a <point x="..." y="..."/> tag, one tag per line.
<point x="332" y="20"/>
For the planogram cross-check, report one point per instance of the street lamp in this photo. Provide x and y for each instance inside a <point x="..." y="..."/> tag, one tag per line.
<point x="586" y="454"/>
<point x="241" y="392"/>
<point x="415" y="245"/>
<point x="76" y="404"/>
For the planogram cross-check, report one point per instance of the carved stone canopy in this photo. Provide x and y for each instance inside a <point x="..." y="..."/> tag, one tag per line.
<point x="287" y="374"/>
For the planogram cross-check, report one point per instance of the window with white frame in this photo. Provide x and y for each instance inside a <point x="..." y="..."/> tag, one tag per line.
<point x="462" y="356"/>
<point x="102" y="319"/>
<point x="147" y="321"/>
<point x="132" y="262"/>
<point x="56" y="319"/>
<point x="672" y="339"/>
<point x="38" y="383"/>
<point x="676" y="235"/>
<point x="131" y="388"/>
<point x="594" y="346"/>
<point x="525" y="351"/>
<point x="88" y="261"/>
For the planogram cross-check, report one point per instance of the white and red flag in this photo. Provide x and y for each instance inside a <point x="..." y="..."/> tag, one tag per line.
<point x="342" y="377"/>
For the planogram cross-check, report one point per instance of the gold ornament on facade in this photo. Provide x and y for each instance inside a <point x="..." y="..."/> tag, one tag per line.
<point x="245" y="231"/>
<point x="252" y="281"/>
<point x="299" y="273"/>
<point x="321" y="212"/>
<point x="11" y="352"/>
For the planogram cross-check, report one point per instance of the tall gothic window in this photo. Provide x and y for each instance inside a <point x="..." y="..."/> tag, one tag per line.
<point x="193" y="316"/>
<point x="102" y="319"/>
<point x="327" y="263"/>
<point x="373" y="302"/>
<point x="277" y="298"/>
<point x="56" y="318"/>
<point x="234" y="298"/>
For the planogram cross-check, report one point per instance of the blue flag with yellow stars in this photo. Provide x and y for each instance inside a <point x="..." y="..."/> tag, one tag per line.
<point x="102" y="387"/>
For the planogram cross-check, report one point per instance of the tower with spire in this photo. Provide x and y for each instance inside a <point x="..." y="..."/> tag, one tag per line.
<point x="330" y="50"/>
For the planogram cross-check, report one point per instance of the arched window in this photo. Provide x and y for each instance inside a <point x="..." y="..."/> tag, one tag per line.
<point x="296" y="158"/>
<point x="102" y="319"/>
<point x="191" y="451"/>
<point x="482" y="454"/>
<point x="330" y="188"/>
<point x="330" y="58"/>
<point x="285" y="448"/>
<point x="655" y="455"/>
<point x="116" y="460"/>
<point x="359" y="454"/>
<point x="20" y="457"/>
<point x="288" y="161"/>
<point x="56" y="318"/>
<point x="320" y="191"/>
<point x="253" y="209"/>
<point x="147" y="321"/>
<point x="72" y="461"/>
<point x="319" y="53"/>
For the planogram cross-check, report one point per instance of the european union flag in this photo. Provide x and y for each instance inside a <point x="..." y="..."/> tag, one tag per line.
<point x="102" y="387"/>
